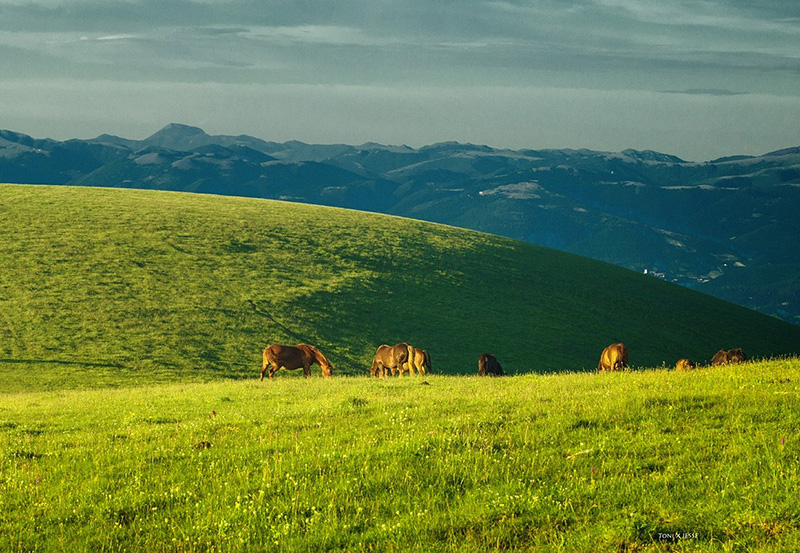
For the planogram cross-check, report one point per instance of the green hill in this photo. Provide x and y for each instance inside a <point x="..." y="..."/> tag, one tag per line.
<point x="105" y="286"/>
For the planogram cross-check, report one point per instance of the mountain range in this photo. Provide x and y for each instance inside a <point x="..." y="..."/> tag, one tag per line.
<point x="725" y="227"/>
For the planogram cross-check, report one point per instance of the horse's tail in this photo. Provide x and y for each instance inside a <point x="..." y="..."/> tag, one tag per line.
<point x="266" y="358"/>
<point x="409" y="363"/>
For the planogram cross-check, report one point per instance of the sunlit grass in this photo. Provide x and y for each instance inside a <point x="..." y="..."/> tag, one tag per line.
<point x="572" y="462"/>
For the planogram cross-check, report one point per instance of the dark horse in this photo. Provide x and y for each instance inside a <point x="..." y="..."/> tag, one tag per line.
<point x="730" y="357"/>
<point x="394" y="358"/>
<point x="294" y="357"/>
<point x="489" y="365"/>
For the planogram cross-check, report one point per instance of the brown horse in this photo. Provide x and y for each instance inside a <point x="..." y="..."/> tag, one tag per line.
<point x="489" y="365"/>
<point x="418" y="359"/>
<point x="294" y="357"/>
<point x="684" y="365"/>
<point x="730" y="357"/>
<point x="613" y="358"/>
<point x="393" y="358"/>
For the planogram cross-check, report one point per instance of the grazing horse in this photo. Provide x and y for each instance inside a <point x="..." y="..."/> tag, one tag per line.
<point x="418" y="359"/>
<point x="393" y="358"/>
<point x="489" y="365"/>
<point x="294" y="357"/>
<point x="730" y="357"/>
<point x="684" y="365"/>
<point x="613" y="358"/>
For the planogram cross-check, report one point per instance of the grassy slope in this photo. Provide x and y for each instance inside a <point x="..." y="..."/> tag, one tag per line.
<point x="104" y="286"/>
<point x="109" y="287"/>
<point x="566" y="462"/>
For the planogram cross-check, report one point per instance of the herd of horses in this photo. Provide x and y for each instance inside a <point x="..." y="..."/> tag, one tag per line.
<point x="615" y="358"/>
<point x="404" y="358"/>
<point x="399" y="358"/>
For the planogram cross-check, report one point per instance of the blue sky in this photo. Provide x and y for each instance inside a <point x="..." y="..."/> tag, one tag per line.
<point x="698" y="79"/>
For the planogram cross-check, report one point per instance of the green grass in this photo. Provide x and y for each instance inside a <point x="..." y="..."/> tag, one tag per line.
<point x="131" y="329"/>
<point x="567" y="462"/>
<point x="106" y="287"/>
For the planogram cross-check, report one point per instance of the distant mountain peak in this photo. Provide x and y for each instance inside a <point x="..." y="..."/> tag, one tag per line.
<point x="397" y="149"/>
<point x="176" y="136"/>
<point x="178" y="128"/>
<point x="784" y="152"/>
<point x="112" y="140"/>
<point x="652" y="156"/>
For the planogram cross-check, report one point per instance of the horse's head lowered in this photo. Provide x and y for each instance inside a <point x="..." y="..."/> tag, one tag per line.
<point x="322" y="361"/>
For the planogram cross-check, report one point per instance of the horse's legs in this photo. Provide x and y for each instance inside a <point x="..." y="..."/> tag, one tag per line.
<point x="410" y="363"/>
<point x="264" y="365"/>
<point x="273" y="370"/>
<point x="307" y="370"/>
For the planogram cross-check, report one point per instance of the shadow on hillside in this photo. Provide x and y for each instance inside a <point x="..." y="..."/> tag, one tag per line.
<point x="59" y="362"/>
<point x="289" y="332"/>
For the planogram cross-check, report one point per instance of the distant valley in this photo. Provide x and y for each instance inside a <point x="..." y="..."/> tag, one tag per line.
<point x="725" y="227"/>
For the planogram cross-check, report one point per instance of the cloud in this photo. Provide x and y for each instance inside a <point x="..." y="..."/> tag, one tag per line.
<point x="316" y="34"/>
<point x="703" y="13"/>
<point x="705" y="92"/>
<point x="699" y="51"/>
<point x="116" y="37"/>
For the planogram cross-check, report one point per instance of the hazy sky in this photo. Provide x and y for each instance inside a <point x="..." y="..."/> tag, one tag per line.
<point x="698" y="79"/>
